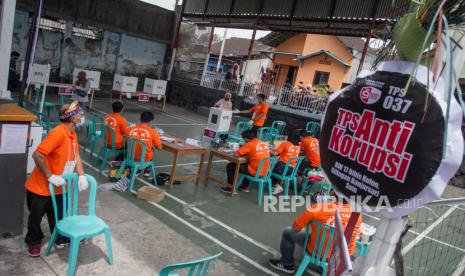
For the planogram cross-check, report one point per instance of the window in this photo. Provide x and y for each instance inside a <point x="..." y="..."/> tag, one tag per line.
<point x="321" y="77"/>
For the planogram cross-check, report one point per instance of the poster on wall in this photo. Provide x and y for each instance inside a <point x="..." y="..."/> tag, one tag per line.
<point x="387" y="149"/>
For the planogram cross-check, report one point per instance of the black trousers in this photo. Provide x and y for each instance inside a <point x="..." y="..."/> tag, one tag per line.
<point x="38" y="206"/>
<point x="279" y="169"/>
<point x="231" y="167"/>
<point x="255" y="129"/>
<point x="305" y="165"/>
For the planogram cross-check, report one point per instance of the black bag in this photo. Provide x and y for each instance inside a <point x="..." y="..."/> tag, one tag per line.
<point x="80" y="93"/>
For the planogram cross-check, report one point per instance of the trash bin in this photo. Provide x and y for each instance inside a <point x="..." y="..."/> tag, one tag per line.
<point x="15" y="127"/>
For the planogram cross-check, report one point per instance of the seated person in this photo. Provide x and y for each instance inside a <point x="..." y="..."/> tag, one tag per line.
<point x="287" y="150"/>
<point x="119" y="124"/>
<point x="310" y="146"/>
<point x="255" y="150"/>
<point x="225" y="103"/>
<point x="144" y="132"/>
<point x="321" y="212"/>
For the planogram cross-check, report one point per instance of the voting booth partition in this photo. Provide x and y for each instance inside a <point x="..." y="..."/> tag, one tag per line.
<point x="15" y="128"/>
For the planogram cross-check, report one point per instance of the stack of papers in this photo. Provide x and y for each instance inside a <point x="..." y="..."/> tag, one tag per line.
<point x="167" y="139"/>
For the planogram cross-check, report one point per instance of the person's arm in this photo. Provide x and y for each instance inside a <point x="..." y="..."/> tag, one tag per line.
<point x="218" y="103"/>
<point x="79" y="166"/>
<point x="247" y="111"/>
<point x="39" y="159"/>
<point x="123" y="127"/>
<point x="242" y="150"/>
<point x="156" y="140"/>
<point x="87" y="87"/>
<point x="279" y="149"/>
<point x="50" y="143"/>
<point x="304" y="218"/>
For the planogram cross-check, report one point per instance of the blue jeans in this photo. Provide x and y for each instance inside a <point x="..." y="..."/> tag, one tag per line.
<point x="289" y="239"/>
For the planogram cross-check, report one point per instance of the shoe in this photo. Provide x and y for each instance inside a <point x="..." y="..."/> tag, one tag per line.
<point x="277" y="189"/>
<point x="33" y="251"/>
<point x="226" y="190"/>
<point x="64" y="242"/>
<point x="147" y="173"/>
<point x="276" y="263"/>
<point x="243" y="189"/>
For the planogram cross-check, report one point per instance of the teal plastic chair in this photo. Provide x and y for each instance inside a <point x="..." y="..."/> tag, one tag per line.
<point x="318" y="256"/>
<point x="240" y="127"/>
<point x="199" y="267"/>
<point x="289" y="178"/>
<point x="65" y="100"/>
<point x="313" y="128"/>
<point x="362" y="248"/>
<point x="130" y="160"/>
<point x="279" y="126"/>
<point x="307" y="181"/>
<point x="94" y="131"/>
<point x="105" y="151"/>
<point x="74" y="226"/>
<point x="267" y="134"/>
<point x="50" y="107"/>
<point x="44" y="121"/>
<point x="259" y="179"/>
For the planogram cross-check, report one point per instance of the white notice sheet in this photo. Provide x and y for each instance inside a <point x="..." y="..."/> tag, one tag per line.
<point x="14" y="139"/>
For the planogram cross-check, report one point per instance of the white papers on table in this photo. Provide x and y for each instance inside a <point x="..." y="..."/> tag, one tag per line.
<point x="193" y="142"/>
<point x="14" y="139"/>
<point x="167" y="139"/>
<point x="160" y="131"/>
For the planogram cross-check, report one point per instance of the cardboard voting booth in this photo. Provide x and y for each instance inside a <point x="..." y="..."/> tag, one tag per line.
<point x="39" y="74"/>
<point x="219" y="121"/>
<point x="92" y="76"/>
<point x="125" y="84"/>
<point x="156" y="87"/>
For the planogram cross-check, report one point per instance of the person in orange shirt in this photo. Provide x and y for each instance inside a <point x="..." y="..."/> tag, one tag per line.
<point x="57" y="154"/>
<point x="143" y="131"/>
<point x="119" y="124"/>
<point x="255" y="150"/>
<point x="323" y="213"/>
<point x="310" y="147"/>
<point x="286" y="151"/>
<point x="260" y="111"/>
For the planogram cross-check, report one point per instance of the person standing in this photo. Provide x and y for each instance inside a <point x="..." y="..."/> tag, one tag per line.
<point x="225" y="103"/>
<point x="255" y="150"/>
<point x="260" y="111"/>
<point x="81" y="90"/>
<point x="13" y="75"/>
<point x="236" y="71"/>
<point x="57" y="154"/>
<point x="117" y="122"/>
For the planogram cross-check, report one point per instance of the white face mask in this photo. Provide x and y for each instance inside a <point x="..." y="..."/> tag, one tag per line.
<point x="81" y="122"/>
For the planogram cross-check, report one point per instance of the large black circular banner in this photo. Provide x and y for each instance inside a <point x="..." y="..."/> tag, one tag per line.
<point x="378" y="142"/>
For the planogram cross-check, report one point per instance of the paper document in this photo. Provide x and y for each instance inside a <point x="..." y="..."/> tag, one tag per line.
<point x="193" y="142"/>
<point x="14" y="139"/>
<point x="167" y="139"/>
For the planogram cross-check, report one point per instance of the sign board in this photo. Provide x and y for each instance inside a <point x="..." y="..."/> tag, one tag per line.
<point x="157" y="87"/>
<point x="339" y="262"/>
<point x="65" y="91"/>
<point x="144" y="98"/>
<point x="92" y="76"/>
<point x="39" y="74"/>
<point x="208" y="133"/>
<point x="125" y="84"/>
<point x="381" y="149"/>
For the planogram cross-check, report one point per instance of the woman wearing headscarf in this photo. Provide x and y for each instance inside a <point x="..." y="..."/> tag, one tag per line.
<point x="225" y="103"/>
<point x="81" y="90"/>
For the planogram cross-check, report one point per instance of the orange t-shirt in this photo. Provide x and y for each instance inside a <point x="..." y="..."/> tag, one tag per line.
<point x="255" y="151"/>
<point x="118" y="123"/>
<point x="324" y="213"/>
<point x="149" y="136"/>
<point x="261" y="108"/>
<point x="57" y="147"/>
<point x="310" y="146"/>
<point x="287" y="151"/>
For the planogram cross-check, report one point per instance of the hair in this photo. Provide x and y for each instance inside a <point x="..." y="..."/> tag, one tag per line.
<point x="63" y="110"/>
<point x="14" y="54"/>
<point x="146" y="117"/>
<point x="81" y="78"/>
<point x="261" y="96"/>
<point x="117" y="106"/>
<point x="303" y="133"/>
<point x="249" y="134"/>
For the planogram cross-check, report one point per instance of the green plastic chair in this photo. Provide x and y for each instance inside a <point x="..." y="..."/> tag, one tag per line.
<point x="129" y="160"/>
<point x="199" y="267"/>
<point x="260" y="180"/>
<point x="50" y="107"/>
<point x="313" y="128"/>
<point x="94" y="131"/>
<point x="362" y="248"/>
<point x="44" y="121"/>
<point x="279" y="126"/>
<point x="74" y="226"/>
<point x="240" y="127"/>
<point x="319" y="253"/>
<point x="292" y="177"/>
<point x="267" y="134"/>
<point x="105" y="151"/>
<point x="65" y="100"/>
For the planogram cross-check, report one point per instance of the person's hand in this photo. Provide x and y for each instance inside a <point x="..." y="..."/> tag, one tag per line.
<point x="82" y="183"/>
<point x="251" y="122"/>
<point x="57" y="180"/>
<point x="236" y="111"/>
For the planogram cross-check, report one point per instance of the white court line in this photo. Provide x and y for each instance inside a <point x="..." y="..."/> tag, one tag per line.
<point x="430" y="228"/>
<point x="460" y="268"/>
<point x="201" y="232"/>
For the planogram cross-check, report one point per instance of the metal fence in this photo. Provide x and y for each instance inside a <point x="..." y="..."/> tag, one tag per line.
<point x="283" y="96"/>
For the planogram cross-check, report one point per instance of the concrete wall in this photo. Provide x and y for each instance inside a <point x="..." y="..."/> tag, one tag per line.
<point x="112" y="53"/>
<point x="192" y="97"/>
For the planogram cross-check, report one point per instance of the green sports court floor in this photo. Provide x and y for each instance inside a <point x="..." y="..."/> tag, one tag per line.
<point x="247" y="235"/>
